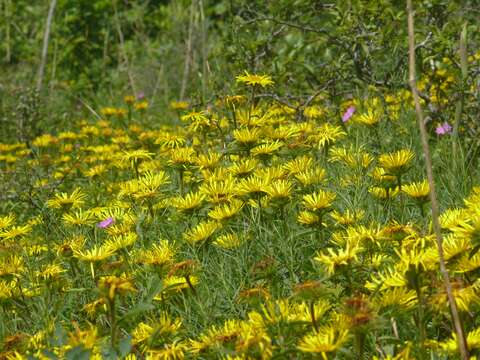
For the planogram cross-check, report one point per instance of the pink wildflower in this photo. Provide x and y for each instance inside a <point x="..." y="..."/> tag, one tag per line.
<point x="106" y="223"/>
<point x="348" y="114"/>
<point x="443" y="129"/>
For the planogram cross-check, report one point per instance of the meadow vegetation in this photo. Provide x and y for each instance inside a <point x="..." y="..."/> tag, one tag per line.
<point x="263" y="198"/>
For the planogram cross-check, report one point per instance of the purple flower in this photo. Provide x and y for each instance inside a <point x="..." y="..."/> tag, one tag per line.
<point x="443" y="129"/>
<point x="106" y="223"/>
<point x="140" y="95"/>
<point x="348" y="114"/>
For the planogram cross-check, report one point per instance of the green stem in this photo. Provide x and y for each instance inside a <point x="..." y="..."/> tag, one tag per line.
<point x="113" y="324"/>
<point x="312" y="315"/>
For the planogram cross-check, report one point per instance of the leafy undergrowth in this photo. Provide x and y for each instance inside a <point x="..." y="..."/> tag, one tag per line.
<point x="245" y="231"/>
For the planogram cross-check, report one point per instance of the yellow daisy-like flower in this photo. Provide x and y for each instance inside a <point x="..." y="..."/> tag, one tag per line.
<point x="326" y="135"/>
<point x="134" y="157"/>
<point x="182" y="157"/>
<point x="202" y="232"/>
<point x="208" y="161"/>
<point x="418" y="191"/>
<point x="334" y="259"/>
<point x="219" y="191"/>
<point x="254" y="79"/>
<point x="228" y="241"/>
<point x="178" y="105"/>
<point x="95" y="254"/>
<point x="161" y="254"/>
<point x="188" y="202"/>
<point x="175" y="283"/>
<point x="141" y="106"/>
<point x="299" y="164"/>
<point x="7" y="220"/>
<point x="308" y="218"/>
<point x="348" y="217"/>
<point x="79" y="217"/>
<point x="326" y="341"/>
<point x="370" y="118"/>
<point x="243" y="167"/>
<point x="319" y="201"/>
<point x="266" y="150"/>
<point x="396" y="163"/>
<point x="115" y="285"/>
<point x="226" y="211"/>
<point x="65" y="201"/>
<point x="15" y="232"/>
<point x="247" y="136"/>
<point x="311" y="176"/>
<point x="279" y="189"/>
<point x="383" y="193"/>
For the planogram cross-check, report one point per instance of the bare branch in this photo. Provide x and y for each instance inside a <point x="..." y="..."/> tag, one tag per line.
<point x="462" y="343"/>
<point x="46" y="39"/>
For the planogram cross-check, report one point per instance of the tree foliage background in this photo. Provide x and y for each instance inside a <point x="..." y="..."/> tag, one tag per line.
<point x="100" y="50"/>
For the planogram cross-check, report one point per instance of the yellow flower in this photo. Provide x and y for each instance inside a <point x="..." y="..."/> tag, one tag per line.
<point x="168" y="140"/>
<point x="319" y="201"/>
<point x="50" y="272"/>
<point x="396" y="163"/>
<point x="313" y="112"/>
<point x="97" y="253"/>
<point x="16" y="231"/>
<point x="326" y="135"/>
<point x="298" y="165"/>
<point x="141" y="106"/>
<point x="188" y="202"/>
<point x="161" y="254"/>
<point x="370" y="118"/>
<point x="181" y="157"/>
<point x="348" y="217"/>
<point x="226" y="211"/>
<point x="334" y="259"/>
<point x="129" y="99"/>
<point x="173" y="283"/>
<point x="243" y="167"/>
<point x="266" y="149"/>
<point x="228" y="241"/>
<point x="6" y="221"/>
<point x="311" y="176"/>
<point x="247" y="136"/>
<point x="253" y="186"/>
<point x="111" y="286"/>
<point x="308" y="218"/>
<point x="208" y="161"/>
<point x="134" y="157"/>
<point x="79" y="217"/>
<point x="219" y="191"/>
<point x="66" y="201"/>
<point x="279" y="189"/>
<point x="254" y="79"/>
<point x="121" y="241"/>
<point x="84" y="338"/>
<point x="173" y="351"/>
<point x="419" y="191"/>
<point x="383" y="193"/>
<point x="178" y="105"/>
<point x="95" y="170"/>
<point x="328" y="340"/>
<point x="201" y="232"/>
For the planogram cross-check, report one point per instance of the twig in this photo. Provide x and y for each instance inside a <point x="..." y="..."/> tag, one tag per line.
<point x="46" y="38"/>
<point x="460" y="103"/>
<point x="122" y="47"/>
<point x="462" y="343"/>
<point x="188" y="52"/>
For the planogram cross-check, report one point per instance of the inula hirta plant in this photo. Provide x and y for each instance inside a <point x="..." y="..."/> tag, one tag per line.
<point x="250" y="229"/>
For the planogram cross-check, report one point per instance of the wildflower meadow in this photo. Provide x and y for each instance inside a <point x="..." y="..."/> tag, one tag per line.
<point x="247" y="217"/>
